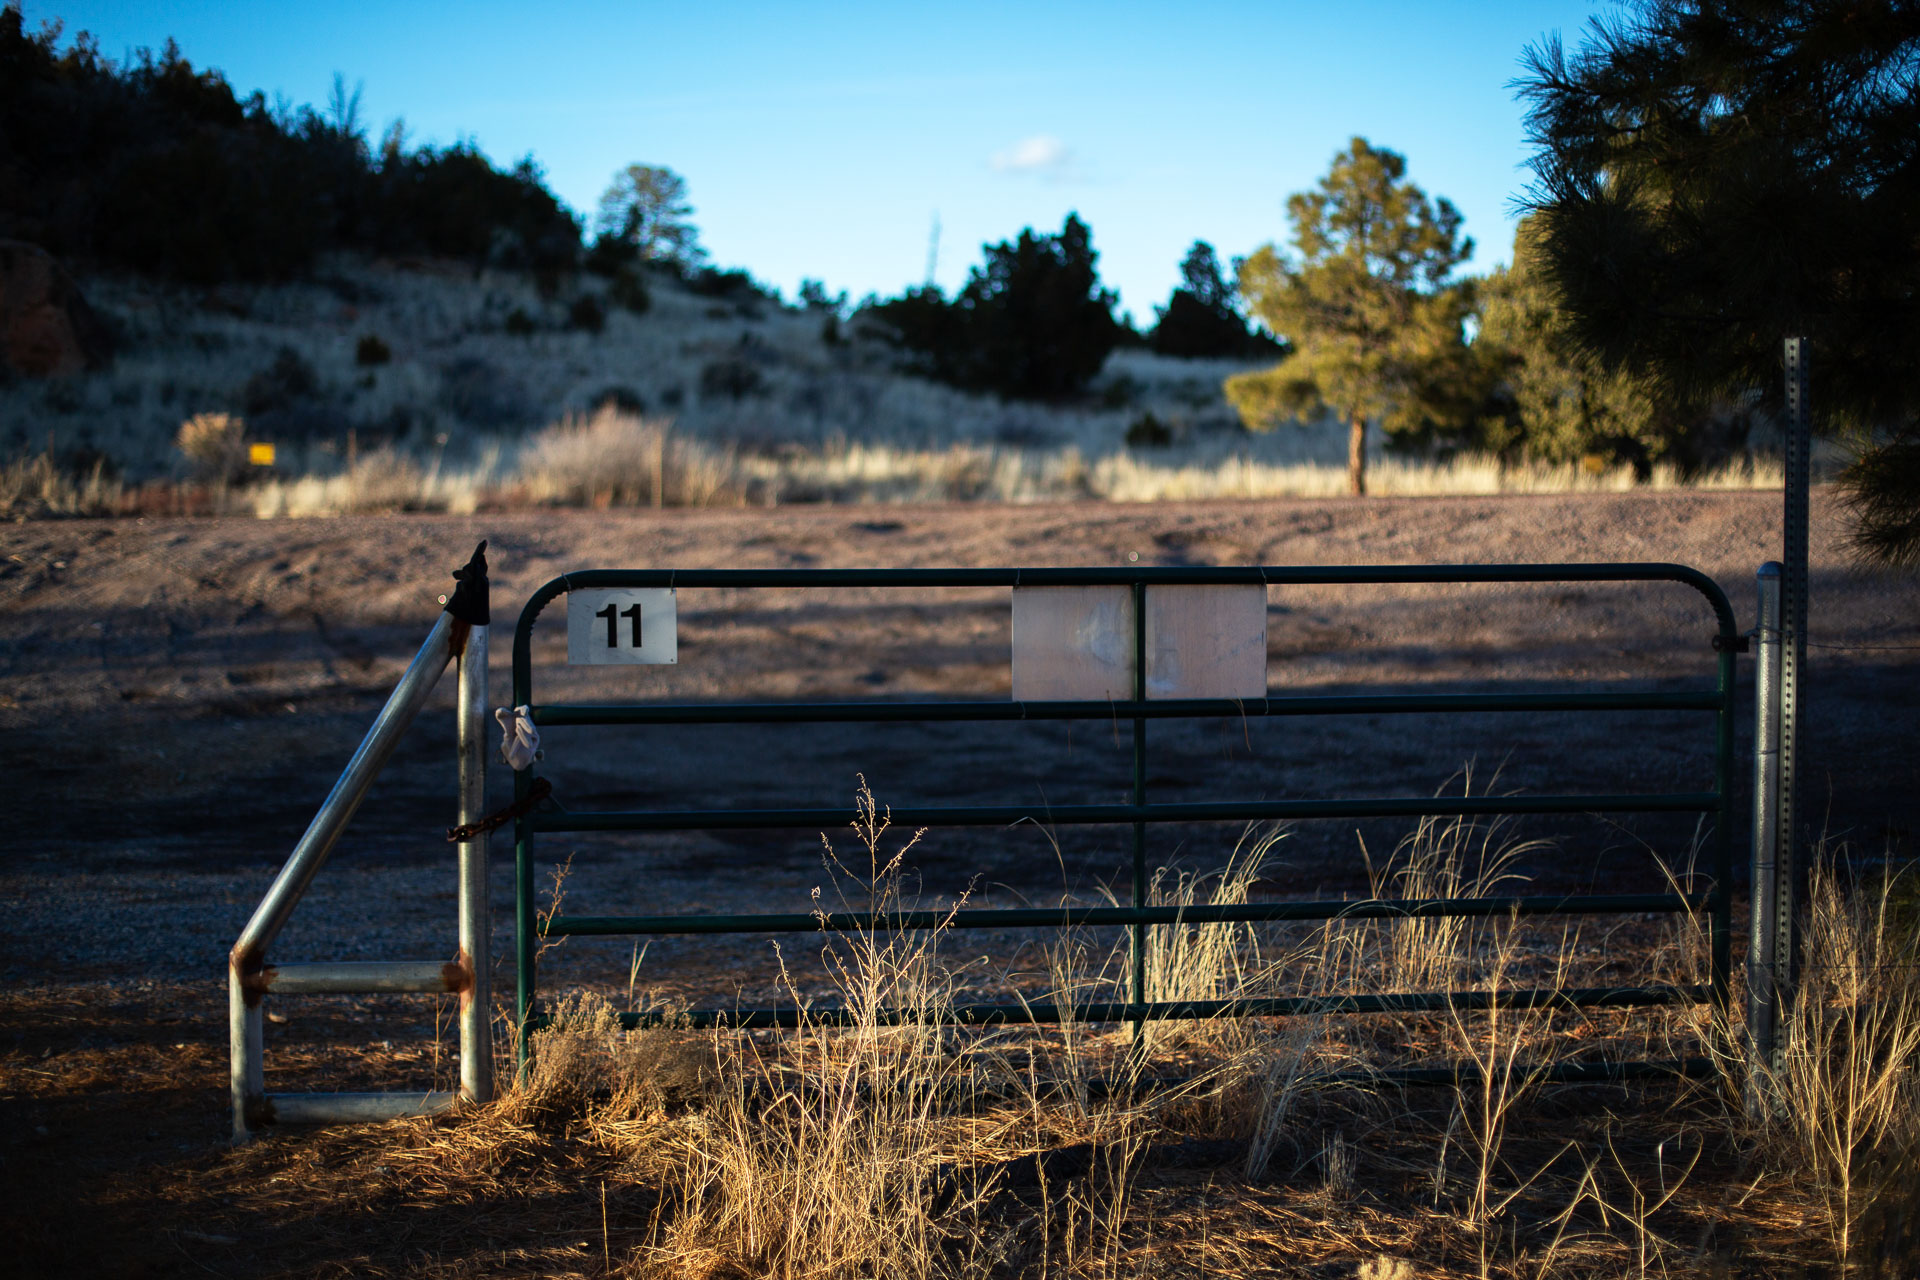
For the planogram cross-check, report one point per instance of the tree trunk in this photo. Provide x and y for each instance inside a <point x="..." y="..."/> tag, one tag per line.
<point x="1357" y="455"/>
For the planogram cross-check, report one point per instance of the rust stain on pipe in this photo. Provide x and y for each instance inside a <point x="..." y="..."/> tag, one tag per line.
<point x="457" y="637"/>
<point x="458" y="974"/>
<point x="258" y="982"/>
<point x="254" y="978"/>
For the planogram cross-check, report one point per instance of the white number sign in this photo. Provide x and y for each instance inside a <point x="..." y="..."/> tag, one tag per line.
<point x="622" y="625"/>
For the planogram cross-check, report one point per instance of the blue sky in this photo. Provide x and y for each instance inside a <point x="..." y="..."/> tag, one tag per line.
<point x="821" y="140"/>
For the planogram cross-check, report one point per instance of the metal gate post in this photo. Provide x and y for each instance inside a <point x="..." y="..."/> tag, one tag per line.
<point x="1138" y="992"/>
<point x="476" y="1004"/>
<point x="1764" y="943"/>
<point x="1722" y="898"/>
<point x="525" y="918"/>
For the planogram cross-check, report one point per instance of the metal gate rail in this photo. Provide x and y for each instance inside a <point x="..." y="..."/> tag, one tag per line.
<point x="1140" y="710"/>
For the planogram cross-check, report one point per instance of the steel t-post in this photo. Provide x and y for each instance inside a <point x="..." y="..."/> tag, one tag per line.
<point x="1793" y="657"/>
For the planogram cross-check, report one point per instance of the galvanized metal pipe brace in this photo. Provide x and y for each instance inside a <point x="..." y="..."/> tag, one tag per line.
<point x="246" y="964"/>
<point x="1018" y="1014"/>
<point x="358" y="977"/>
<point x="1074" y="917"/>
<point x="251" y="978"/>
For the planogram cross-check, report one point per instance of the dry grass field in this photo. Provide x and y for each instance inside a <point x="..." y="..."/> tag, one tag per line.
<point x="179" y="693"/>
<point x="422" y="387"/>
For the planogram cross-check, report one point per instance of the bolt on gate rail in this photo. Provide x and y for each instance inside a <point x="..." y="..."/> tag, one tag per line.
<point x="538" y="818"/>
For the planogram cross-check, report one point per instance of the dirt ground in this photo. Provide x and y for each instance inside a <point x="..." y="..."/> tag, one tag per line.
<point x="176" y="697"/>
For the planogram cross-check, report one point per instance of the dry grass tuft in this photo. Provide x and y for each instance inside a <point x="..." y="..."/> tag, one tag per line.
<point x="38" y="486"/>
<point x="1847" y="1102"/>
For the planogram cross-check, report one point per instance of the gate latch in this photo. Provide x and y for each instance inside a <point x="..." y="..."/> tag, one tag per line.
<point x="538" y="791"/>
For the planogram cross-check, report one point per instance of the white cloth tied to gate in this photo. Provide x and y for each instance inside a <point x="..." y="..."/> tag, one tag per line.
<point x="519" y="740"/>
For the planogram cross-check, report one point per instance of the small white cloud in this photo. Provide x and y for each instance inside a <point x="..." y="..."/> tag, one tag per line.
<point x="1042" y="154"/>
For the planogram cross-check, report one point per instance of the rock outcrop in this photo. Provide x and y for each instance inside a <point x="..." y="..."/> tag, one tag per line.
<point x="46" y="327"/>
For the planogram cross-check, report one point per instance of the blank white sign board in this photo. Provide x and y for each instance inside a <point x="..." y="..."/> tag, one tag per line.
<point x="623" y="626"/>
<point x="1207" y="642"/>
<point x="1072" y="644"/>
<point x="1075" y="644"/>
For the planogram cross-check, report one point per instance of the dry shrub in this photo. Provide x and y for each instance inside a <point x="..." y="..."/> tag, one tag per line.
<point x="215" y="444"/>
<point x="614" y="458"/>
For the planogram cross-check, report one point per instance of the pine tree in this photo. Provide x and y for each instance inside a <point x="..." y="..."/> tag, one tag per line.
<point x="1202" y="317"/>
<point x="1563" y="403"/>
<point x="1366" y="301"/>
<point x="1715" y="177"/>
<point x="645" y="210"/>
<point x="1032" y="322"/>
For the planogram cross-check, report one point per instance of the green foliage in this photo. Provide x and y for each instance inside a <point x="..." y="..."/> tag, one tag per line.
<point x="285" y="383"/>
<point x="1031" y="323"/>
<point x="160" y="168"/>
<point x="1202" y="317"/>
<point x="586" y="314"/>
<point x="645" y="211"/>
<point x="1148" y="432"/>
<point x="814" y="297"/>
<point x="371" y="350"/>
<point x="609" y="255"/>
<point x="1713" y="179"/>
<point x="1561" y="403"/>
<point x="736" y="286"/>
<point x="733" y="377"/>
<point x="1365" y="301"/>
<point x="628" y="288"/>
<point x="454" y="203"/>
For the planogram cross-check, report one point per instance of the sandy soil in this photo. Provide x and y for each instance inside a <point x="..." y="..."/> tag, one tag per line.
<point x="177" y="696"/>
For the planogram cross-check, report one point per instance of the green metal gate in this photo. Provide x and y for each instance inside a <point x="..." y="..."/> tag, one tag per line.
<point x="536" y="819"/>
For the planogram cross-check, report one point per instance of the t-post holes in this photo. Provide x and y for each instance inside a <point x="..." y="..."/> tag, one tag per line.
<point x="1207" y="642"/>
<point x="622" y="625"/>
<point x="1072" y="644"/>
<point x="1075" y="644"/>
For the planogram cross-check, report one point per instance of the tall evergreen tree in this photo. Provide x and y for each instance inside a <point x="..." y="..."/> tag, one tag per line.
<point x="1202" y="317"/>
<point x="1366" y="301"/>
<point x="1562" y="403"/>
<point x="1715" y="176"/>
<point x="645" y="210"/>
<point x="1032" y="322"/>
